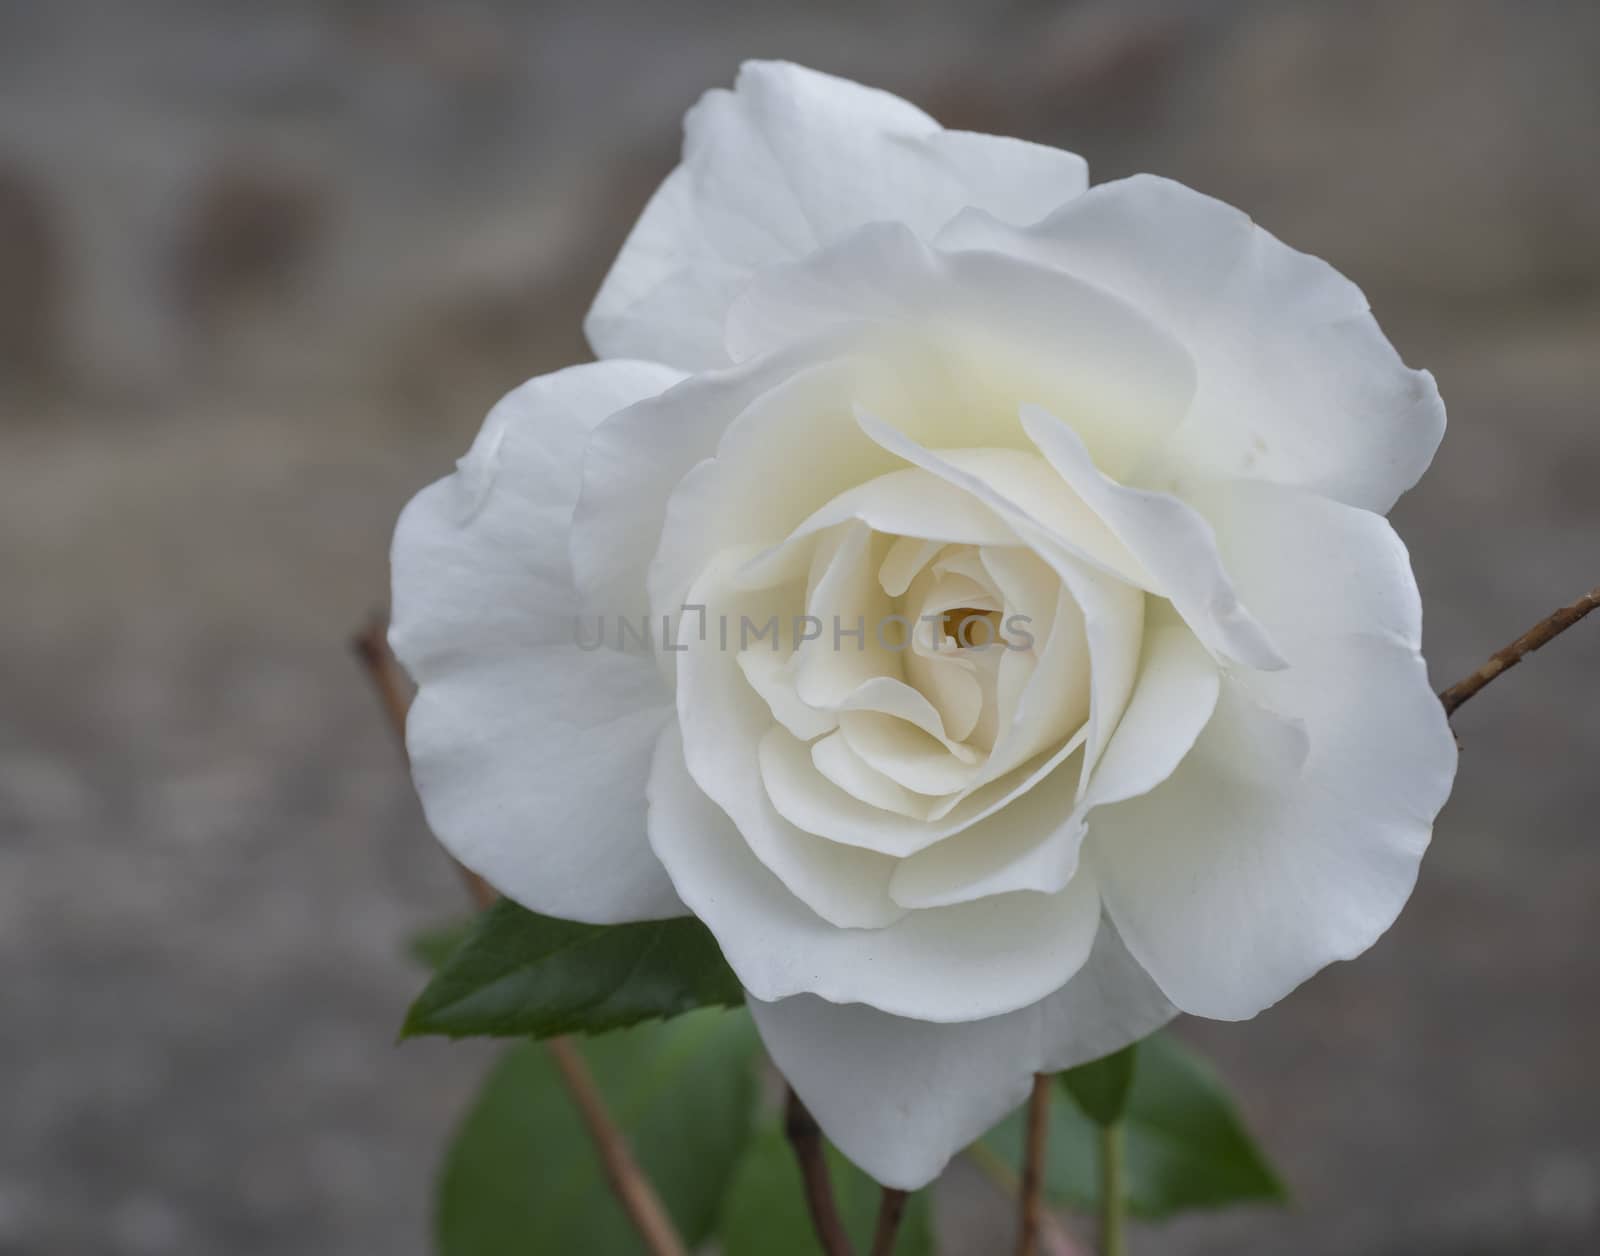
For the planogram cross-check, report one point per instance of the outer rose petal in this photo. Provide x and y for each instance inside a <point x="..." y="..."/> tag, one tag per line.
<point x="1297" y="384"/>
<point x="636" y="459"/>
<point x="1310" y="565"/>
<point x="1240" y="876"/>
<point x="1322" y="855"/>
<point x="948" y="964"/>
<point x="900" y="1097"/>
<point x="1003" y="330"/>
<point x="788" y="161"/>
<point x="530" y="755"/>
<point x="1247" y="871"/>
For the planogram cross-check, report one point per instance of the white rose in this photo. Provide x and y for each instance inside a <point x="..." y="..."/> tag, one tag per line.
<point x="857" y="366"/>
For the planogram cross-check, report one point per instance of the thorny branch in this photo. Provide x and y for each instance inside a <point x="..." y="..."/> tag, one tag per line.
<point x="1053" y="1237"/>
<point x="805" y="1136"/>
<point x="639" y="1199"/>
<point x="1543" y="632"/>
<point x="891" y="1211"/>
<point x="372" y="648"/>
<point x="1032" y="1191"/>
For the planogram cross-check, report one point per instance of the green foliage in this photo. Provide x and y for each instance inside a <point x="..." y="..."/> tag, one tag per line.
<point x="765" y="1211"/>
<point x="1101" y="1087"/>
<point x="522" y="1178"/>
<point x="1185" y="1145"/>
<point x="517" y="974"/>
<point x="521" y="1175"/>
<point x="432" y="947"/>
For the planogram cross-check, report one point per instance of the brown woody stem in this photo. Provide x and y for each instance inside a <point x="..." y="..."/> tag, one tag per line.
<point x="1032" y="1190"/>
<point x="805" y="1136"/>
<point x="628" y="1181"/>
<point x="1543" y="632"/>
<point x="1053" y="1238"/>
<point x="639" y="1199"/>
<point x="891" y="1211"/>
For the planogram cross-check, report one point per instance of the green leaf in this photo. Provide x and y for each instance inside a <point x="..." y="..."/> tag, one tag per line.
<point x="519" y="975"/>
<point x="765" y="1212"/>
<point x="1185" y="1146"/>
<point x="522" y="1177"/>
<point x="432" y="947"/>
<point x="1101" y="1087"/>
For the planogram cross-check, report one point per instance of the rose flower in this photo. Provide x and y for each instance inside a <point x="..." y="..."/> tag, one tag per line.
<point x="966" y="591"/>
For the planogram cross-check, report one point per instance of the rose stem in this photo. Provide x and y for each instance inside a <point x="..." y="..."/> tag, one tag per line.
<point x="1053" y="1238"/>
<point x="1033" y="1165"/>
<point x="891" y="1209"/>
<point x="372" y="648"/>
<point x="1546" y="630"/>
<point x="805" y="1136"/>
<point x="628" y="1180"/>
<point x="638" y="1197"/>
<point x="1111" y="1242"/>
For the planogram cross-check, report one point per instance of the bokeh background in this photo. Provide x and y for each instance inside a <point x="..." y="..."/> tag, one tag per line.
<point x="263" y="268"/>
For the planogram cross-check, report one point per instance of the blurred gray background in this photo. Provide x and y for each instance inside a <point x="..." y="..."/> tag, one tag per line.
<point x="263" y="268"/>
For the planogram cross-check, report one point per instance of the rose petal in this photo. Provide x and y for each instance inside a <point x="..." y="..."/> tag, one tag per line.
<point x="1244" y="873"/>
<point x="951" y="964"/>
<point x="896" y="698"/>
<point x="1031" y="845"/>
<point x="905" y="754"/>
<point x="632" y="463"/>
<point x="907" y="557"/>
<point x="958" y="685"/>
<point x="754" y="455"/>
<point x="1310" y="565"/>
<point x="846" y="598"/>
<point x="772" y="676"/>
<point x="1000" y="330"/>
<point x="1168" y="539"/>
<point x="1113" y="609"/>
<point x="834" y="758"/>
<point x="1055" y="695"/>
<point x="812" y="803"/>
<point x="909" y="502"/>
<point x="901" y="1097"/>
<point x="723" y="722"/>
<point x="1173" y="700"/>
<point x="785" y="454"/>
<point x="519" y="739"/>
<point x="1295" y="382"/>
<point x="790" y="160"/>
<point x="1021" y="489"/>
